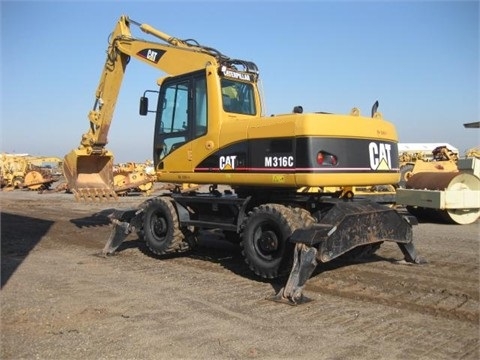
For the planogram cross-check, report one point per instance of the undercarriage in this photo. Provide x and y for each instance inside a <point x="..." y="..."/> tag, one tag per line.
<point x="290" y="236"/>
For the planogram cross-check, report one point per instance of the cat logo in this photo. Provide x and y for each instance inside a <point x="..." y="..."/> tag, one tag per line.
<point x="227" y="162"/>
<point x="380" y="156"/>
<point x="152" y="55"/>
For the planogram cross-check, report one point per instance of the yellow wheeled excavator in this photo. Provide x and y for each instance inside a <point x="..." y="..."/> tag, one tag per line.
<point x="210" y="130"/>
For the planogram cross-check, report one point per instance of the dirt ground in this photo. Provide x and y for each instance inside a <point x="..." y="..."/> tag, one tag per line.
<point x="59" y="300"/>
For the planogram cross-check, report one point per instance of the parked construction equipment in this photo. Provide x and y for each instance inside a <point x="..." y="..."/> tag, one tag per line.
<point x="19" y="172"/>
<point x="445" y="188"/>
<point x="425" y="157"/>
<point x="129" y="177"/>
<point x="453" y="196"/>
<point x="210" y="129"/>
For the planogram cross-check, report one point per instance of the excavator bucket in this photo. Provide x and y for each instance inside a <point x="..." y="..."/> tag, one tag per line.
<point x="89" y="177"/>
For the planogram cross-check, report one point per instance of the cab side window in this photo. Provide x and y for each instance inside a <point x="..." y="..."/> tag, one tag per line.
<point x="173" y="121"/>
<point x="175" y="108"/>
<point x="200" y="107"/>
<point x="182" y="113"/>
<point x="238" y="97"/>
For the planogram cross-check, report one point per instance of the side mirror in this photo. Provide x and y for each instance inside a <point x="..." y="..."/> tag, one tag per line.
<point x="143" y="106"/>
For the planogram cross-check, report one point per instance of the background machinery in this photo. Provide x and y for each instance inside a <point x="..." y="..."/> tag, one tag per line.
<point x="442" y="187"/>
<point x="132" y="176"/>
<point x="210" y="131"/>
<point x="24" y="171"/>
<point x="425" y="157"/>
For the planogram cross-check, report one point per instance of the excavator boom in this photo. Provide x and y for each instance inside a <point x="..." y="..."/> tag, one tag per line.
<point x="89" y="168"/>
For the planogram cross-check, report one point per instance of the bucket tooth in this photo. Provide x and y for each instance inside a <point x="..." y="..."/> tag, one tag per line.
<point x="94" y="194"/>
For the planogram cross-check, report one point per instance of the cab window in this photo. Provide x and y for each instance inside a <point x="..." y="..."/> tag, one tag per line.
<point x="237" y="97"/>
<point x="181" y="114"/>
<point x="200" y="107"/>
<point x="175" y="106"/>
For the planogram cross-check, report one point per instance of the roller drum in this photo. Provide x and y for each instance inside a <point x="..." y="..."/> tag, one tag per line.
<point x="448" y="181"/>
<point x="437" y="180"/>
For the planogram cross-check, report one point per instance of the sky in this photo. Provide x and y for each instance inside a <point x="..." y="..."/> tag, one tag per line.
<point x="419" y="59"/>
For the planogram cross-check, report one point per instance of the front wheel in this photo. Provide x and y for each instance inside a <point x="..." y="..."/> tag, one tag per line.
<point x="161" y="227"/>
<point x="264" y="239"/>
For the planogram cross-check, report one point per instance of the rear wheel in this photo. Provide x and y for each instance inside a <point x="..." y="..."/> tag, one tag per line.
<point x="264" y="239"/>
<point x="161" y="227"/>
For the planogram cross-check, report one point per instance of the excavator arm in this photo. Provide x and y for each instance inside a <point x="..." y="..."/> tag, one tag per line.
<point x="89" y="168"/>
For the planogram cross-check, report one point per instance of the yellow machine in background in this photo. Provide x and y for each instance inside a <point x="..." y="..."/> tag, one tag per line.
<point x="210" y="129"/>
<point x="51" y="164"/>
<point x="441" y="187"/>
<point x="24" y="171"/>
<point x="440" y="158"/>
<point x="473" y="153"/>
<point x="13" y="170"/>
<point x="133" y="177"/>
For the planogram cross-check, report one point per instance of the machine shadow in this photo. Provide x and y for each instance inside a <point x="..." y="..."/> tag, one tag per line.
<point x="100" y="218"/>
<point x="19" y="235"/>
<point x="210" y="248"/>
<point x="214" y="248"/>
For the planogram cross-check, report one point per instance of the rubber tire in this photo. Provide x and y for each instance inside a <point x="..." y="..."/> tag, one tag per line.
<point x="161" y="226"/>
<point x="272" y="223"/>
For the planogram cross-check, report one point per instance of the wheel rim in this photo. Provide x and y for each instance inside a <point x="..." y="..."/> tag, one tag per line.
<point x="266" y="242"/>
<point x="159" y="226"/>
<point x="264" y="239"/>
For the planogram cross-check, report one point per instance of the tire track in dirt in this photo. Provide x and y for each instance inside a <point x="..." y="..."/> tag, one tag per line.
<point x="439" y="289"/>
<point x="386" y="320"/>
<point x="399" y="290"/>
<point x="374" y="283"/>
<point x="436" y="302"/>
<point x="426" y="289"/>
<point x="406" y="311"/>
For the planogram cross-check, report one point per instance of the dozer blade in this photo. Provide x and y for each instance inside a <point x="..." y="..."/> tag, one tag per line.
<point x="89" y="176"/>
<point x="346" y="226"/>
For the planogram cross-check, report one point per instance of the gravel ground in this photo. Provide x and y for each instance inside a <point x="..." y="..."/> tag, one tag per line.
<point x="59" y="300"/>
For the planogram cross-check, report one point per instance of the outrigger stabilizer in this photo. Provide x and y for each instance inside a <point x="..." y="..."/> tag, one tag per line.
<point x="327" y="240"/>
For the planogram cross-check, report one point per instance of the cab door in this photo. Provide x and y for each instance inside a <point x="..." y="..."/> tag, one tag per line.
<point x="181" y="118"/>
